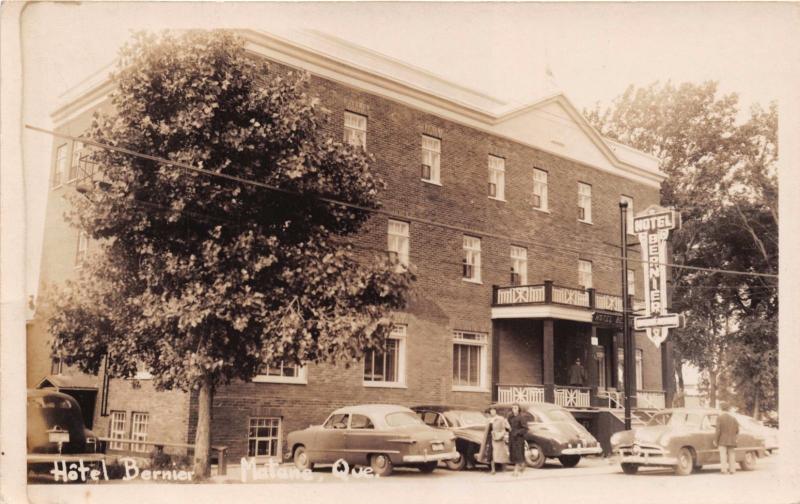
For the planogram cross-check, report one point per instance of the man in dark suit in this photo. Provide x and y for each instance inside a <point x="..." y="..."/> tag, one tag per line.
<point x="725" y="439"/>
<point x="577" y="375"/>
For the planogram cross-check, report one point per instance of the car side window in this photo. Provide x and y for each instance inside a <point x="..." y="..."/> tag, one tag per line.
<point x="361" y="422"/>
<point x="338" y="421"/>
<point x="430" y="418"/>
<point x="441" y="422"/>
<point x="709" y="422"/>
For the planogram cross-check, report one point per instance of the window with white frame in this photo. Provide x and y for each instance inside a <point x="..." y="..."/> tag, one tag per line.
<point x="540" y="189"/>
<point x="469" y="360"/>
<point x="431" y="157"/>
<point x="519" y="265"/>
<point x="387" y="368"/>
<point x="77" y="152"/>
<point x="398" y="245"/>
<point x="629" y="213"/>
<point x="497" y="177"/>
<point x="60" y="166"/>
<point x="355" y="129"/>
<point x="639" y="375"/>
<point x="263" y="437"/>
<point x="584" y="202"/>
<point x="585" y="273"/>
<point x="631" y="282"/>
<point x="117" y="430"/>
<point x="83" y="248"/>
<point x="139" y="423"/>
<point x="282" y="373"/>
<point x="472" y="259"/>
<point x="600" y="361"/>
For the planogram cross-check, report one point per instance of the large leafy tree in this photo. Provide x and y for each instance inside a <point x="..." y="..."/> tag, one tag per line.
<point x="202" y="279"/>
<point x="722" y="178"/>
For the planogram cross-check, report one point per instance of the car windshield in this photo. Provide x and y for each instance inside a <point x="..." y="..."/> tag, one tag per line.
<point x="402" y="418"/>
<point x="465" y="418"/>
<point x="558" y="415"/>
<point x="676" y="419"/>
<point x="50" y="402"/>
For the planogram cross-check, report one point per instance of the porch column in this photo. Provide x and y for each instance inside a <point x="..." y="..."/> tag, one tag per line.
<point x="496" y="334"/>
<point x="667" y="372"/>
<point x="591" y="359"/>
<point x="548" y="361"/>
<point x="616" y="344"/>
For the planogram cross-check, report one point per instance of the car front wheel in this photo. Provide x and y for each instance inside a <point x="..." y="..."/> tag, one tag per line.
<point x="569" y="460"/>
<point x="381" y="464"/>
<point x="749" y="462"/>
<point x="534" y="456"/>
<point x="457" y="464"/>
<point x="630" y="468"/>
<point x="301" y="460"/>
<point x="685" y="462"/>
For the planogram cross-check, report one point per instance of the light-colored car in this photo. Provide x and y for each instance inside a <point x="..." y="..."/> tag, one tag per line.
<point x="382" y="436"/>
<point x="750" y="424"/>
<point x="681" y="438"/>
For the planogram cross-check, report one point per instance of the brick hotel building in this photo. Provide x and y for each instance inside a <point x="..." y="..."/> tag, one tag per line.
<point x="520" y="211"/>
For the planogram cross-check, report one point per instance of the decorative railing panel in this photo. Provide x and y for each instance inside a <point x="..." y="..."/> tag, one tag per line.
<point x="573" y="397"/>
<point x="650" y="399"/>
<point x="608" y="302"/>
<point x="520" y="295"/>
<point x="568" y="296"/>
<point x="520" y="393"/>
<point x="614" y="398"/>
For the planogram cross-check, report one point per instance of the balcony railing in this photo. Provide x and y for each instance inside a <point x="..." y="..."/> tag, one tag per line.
<point x="651" y="399"/>
<point x="578" y="397"/>
<point x="573" y="397"/>
<point x="548" y="293"/>
<point x="520" y="393"/>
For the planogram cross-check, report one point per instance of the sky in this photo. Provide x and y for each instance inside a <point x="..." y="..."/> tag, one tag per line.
<point x="594" y="51"/>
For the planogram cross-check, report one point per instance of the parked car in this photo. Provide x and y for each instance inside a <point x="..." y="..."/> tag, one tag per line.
<point x="468" y="426"/>
<point x="382" y="436"/>
<point x="55" y="425"/>
<point x="681" y="438"/>
<point x="750" y="424"/>
<point x="553" y="433"/>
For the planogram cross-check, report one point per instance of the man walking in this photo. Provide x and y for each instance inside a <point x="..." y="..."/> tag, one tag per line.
<point x="725" y="439"/>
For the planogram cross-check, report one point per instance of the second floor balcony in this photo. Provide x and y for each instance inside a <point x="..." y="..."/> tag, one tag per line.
<point x="548" y="293"/>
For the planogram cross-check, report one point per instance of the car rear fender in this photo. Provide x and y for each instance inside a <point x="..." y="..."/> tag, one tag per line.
<point x="550" y="446"/>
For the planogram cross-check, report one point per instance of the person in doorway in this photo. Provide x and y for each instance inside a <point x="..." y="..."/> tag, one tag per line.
<point x="518" y="423"/>
<point x="577" y="375"/>
<point x="725" y="440"/>
<point x="498" y="437"/>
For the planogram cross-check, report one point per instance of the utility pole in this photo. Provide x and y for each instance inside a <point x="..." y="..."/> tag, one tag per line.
<point x="627" y="342"/>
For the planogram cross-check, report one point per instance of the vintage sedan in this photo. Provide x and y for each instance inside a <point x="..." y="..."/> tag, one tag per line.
<point x="469" y="427"/>
<point x="681" y="438"/>
<point x="381" y="436"/>
<point x="750" y="424"/>
<point x="553" y="433"/>
<point x="55" y="425"/>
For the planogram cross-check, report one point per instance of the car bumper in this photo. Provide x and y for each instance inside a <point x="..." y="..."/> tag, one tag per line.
<point x="582" y="451"/>
<point x="655" y="460"/>
<point x="430" y="457"/>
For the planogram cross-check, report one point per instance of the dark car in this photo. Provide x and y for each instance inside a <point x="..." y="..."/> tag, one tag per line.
<point x="55" y="425"/>
<point x="381" y="436"/>
<point x="469" y="427"/>
<point x="681" y="438"/>
<point x="553" y="433"/>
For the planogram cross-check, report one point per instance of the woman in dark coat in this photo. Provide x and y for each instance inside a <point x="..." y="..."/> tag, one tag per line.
<point x="518" y="421"/>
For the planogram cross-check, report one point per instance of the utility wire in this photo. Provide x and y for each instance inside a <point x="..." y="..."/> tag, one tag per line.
<point x="419" y="220"/>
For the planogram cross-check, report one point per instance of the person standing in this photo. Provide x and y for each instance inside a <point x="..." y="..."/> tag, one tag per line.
<point x="498" y="434"/>
<point x="577" y="375"/>
<point x="518" y="423"/>
<point x="725" y="439"/>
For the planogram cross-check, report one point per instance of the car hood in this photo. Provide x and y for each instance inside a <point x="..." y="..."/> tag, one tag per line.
<point x="563" y="432"/>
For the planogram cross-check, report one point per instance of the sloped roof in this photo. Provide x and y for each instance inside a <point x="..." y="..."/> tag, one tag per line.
<point x="68" y="382"/>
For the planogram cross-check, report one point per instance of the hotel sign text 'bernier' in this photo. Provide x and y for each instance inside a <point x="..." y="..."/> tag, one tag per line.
<point x="652" y="226"/>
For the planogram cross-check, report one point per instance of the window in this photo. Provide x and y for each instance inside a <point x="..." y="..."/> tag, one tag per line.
<point x="60" y="168"/>
<point x="431" y="156"/>
<point x="540" y="189"/>
<point x="387" y="368"/>
<point x="398" y="242"/>
<point x="497" y="176"/>
<point x="585" y="273"/>
<point x="629" y="213"/>
<point x="355" y="129"/>
<point x="117" y="430"/>
<point x="469" y="360"/>
<point x="639" y="377"/>
<point x="263" y="437"/>
<point x="83" y="247"/>
<point x="337" y="421"/>
<point x="77" y="152"/>
<point x="631" y="282"/>
<point x="519" y="265"/>
<point x="472" y="259"/>
<point x="282" y="373"/>
<point x="56" y="366"/>
<point x="361" y="422"/>
<point x="139" y="430"/>
<point x="584" y="202"/>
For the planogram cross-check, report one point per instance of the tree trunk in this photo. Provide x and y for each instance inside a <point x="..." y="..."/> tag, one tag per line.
<point x="712" y="388"/>
<point x="202" y="440"/>
<point x="756" y="404"/>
